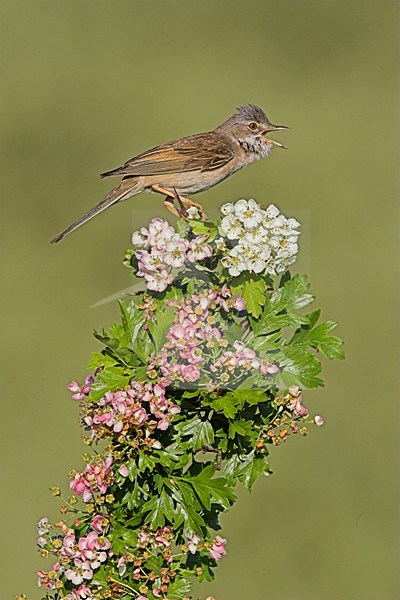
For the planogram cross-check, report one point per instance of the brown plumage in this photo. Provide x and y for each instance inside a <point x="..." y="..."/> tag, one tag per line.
<point x="191" y="164"/>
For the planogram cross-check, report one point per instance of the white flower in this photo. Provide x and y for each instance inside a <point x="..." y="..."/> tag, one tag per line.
<point x="138" y="239"/>
<point x="227" y="208"/>
<point x="82" y="571"/>
<point x="235" y="261"/>
<point x="272" y="211"/>
<point x="287" y="248"/>
<point x="149" y="261"/>
<point x="249" y="212"/>
<point x="255" y="235"/>
<point x="193" y="213"/>
<point x="231" y="227"/>
<point x="192" y="544"/>
<point x="220" y="244"/>
<point x="158" y="281"/>
<point x="198" y="250"/>
<point x="258" y="258"/>
<point x="160" y="233"/>
<point x="272" y="217"/>
<point x="175" y="253"/>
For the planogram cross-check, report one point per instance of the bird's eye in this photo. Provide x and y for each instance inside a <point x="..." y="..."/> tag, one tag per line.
<point x="253" y="126"/>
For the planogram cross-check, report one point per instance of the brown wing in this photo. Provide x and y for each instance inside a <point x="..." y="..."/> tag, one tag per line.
<point x="201" y="152"/>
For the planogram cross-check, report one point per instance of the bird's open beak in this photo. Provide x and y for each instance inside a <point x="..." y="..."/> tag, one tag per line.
<point x="275" y="128"/>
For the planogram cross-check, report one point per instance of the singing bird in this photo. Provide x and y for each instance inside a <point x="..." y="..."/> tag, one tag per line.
<point x="191" y="164"/>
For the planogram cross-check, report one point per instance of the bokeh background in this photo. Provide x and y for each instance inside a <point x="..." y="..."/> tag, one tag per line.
<point x="87" y="85"/>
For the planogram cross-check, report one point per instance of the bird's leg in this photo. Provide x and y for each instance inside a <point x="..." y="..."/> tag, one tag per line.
<point x="199" y="207"/>
<point x="169" y="205"/>
<point x="182" y="209"/>
<point x="185" y="201"/>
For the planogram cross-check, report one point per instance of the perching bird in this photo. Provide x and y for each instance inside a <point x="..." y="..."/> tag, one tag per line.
<point x="191" y="164"/>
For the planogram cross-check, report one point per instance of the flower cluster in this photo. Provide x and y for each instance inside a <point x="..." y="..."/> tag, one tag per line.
<point x="158" y="544"/>
<point x="125" y="411"/>
<point x="77" y="558"/>
<point x="215" y="548"/>
<point x="290" y="414"/>
<point x="264" y="240"/>
<point x="197" y="350"/>
<point x="96" y="478"/>
<point x="162" y="249"/>
<point x="241" y="360"/>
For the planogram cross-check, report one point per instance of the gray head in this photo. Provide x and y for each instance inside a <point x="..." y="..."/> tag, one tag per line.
<point x="249" y="125"/>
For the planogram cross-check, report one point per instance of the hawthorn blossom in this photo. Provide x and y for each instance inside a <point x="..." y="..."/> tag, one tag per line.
<point x="83" y="592"/>
<point x="43" y="526"/>
<point x="218" y="548"/>
<point x="249" y="212"/>
<point x="96" y="478"/>
<point x="175" y="253"/>
<point x="160" y="250"/>
<point x="81" y="571"/>
<point x="193" y="543"/>
<point x="318" y="420"/>
<point x="80" y="391"/>
<point x="266" y="241"/>
<point x="198" y="249"/>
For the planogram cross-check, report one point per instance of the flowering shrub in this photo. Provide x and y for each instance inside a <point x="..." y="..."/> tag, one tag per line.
<point x="209" y="360"/>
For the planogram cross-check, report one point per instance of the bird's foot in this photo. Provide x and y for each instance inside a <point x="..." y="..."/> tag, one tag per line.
<point x="183" y="202"/>
<point x="182" y="210"/>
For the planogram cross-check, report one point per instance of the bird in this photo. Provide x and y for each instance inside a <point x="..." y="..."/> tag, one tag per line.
<point x="191" y="164"/>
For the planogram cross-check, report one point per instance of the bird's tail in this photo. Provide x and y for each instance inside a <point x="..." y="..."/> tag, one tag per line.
<point x="128" y="187"/>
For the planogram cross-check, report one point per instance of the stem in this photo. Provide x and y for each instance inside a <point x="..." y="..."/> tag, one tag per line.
<point x="125" y="585"/>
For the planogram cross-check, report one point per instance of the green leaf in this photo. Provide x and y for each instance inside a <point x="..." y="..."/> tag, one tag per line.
<point x="227" y="405"/>
<point x="179" y="589"/>
<point x="208" y="488"/>
<point x="252" y="288"/>
<point x="203" y="435"/>
<point x="298" y="367"/>
<point x="318" y="337"/>
<point x="111" y="379"/>
<point x="206" y="228"/>
<point x="160" y="326"/>
<point x="250" y="471"/>
<point x="200" y="431"/>
<point x="241" y="427"/>
<point x="100" y="577"/>
<point x="159" y="508"/>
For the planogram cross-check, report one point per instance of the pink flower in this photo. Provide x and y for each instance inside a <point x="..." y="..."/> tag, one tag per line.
<point x="123" y="470"/>
<point x="81" y="571"/>
<point x="268" y="368"/>
<point x="198" y="250"/>
<point x="160" y="232"/>
<point x="318" y="420"/>
<point x="139" y="415"/>
<point x="43" y="526"/>
<point x="218" y="548"/>
<point x="190" y="372"/>
<point x="69" y="547"/>
<point x="159" y="281"/>
<point x="139" y="238"/>
<point x="239" y="303"/>
<point x="149" y="262"/>
<point x="80" y="391"/>
<point x="99" y="522"/>
<point x="192" y="544"/>
<point x="175" y="253"/>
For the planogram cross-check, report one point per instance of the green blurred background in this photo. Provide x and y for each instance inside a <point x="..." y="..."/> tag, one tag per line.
<point x="85" y="86"/>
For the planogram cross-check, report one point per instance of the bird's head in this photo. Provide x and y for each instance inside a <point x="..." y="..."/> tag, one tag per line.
<point x="250" y="126"/>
